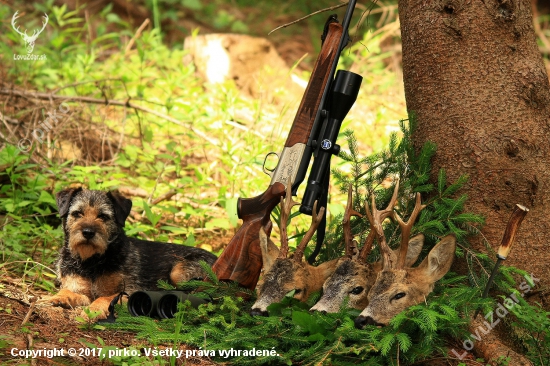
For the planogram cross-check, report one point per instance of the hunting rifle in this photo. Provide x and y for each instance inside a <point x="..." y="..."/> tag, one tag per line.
<point x="326" y="101"/>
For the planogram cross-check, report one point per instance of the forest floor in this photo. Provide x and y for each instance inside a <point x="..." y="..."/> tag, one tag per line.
<point x="26" y="324"/>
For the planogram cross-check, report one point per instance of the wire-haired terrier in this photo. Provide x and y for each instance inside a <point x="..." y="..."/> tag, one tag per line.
<point x="98" y="260"/>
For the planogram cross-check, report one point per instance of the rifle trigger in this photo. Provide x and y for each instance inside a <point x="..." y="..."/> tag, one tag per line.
<point x="267" y="170"/>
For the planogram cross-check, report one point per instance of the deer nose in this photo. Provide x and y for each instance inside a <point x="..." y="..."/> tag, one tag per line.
<point x="258" y="312"/>
<point x="88" y="233"/>
<point x="361" y="321"/>
<point x="371" y="321"/>
<point x="312" y="310"/>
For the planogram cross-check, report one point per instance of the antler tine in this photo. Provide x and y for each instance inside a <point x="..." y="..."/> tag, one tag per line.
<point x="46" y="18"/>
<point x="376" y="218"/>
<point x="406" y="228"/>
<point x="13" y="19"/>
<point x="346" y="223"/>
<point x="36" y="32"/>
<point x="367" y="247"/>
<point x="315" y="220"/>
<point x="286" y="206"/>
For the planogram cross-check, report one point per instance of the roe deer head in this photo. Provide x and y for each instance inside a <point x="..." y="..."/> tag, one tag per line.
<point x="280" y="274"/>
<point x="399" y="286"/>
<point x="354" y="276"/>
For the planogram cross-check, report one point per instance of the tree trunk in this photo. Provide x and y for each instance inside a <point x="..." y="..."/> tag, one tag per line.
<point x="476" y="81"/>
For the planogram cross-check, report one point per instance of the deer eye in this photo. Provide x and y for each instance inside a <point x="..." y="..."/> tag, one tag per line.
<point x="357" y="290"/>
<point x="399" y="295"/>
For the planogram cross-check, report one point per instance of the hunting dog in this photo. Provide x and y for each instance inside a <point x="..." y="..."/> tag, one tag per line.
<point x="98" y="260"/>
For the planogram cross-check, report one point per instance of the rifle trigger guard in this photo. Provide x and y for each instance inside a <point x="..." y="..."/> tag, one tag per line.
<point x="269" y="171"/>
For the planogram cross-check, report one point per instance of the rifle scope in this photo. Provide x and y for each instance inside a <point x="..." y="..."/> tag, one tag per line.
<point x="159" y="304"/>
<point x="344" y="93"/>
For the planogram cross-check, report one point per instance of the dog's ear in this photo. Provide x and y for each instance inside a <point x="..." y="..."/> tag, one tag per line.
<point x="64" y="198"/>
<point x="122" y="206"/>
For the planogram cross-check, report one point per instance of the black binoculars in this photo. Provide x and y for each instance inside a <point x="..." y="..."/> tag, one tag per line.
<point x="159" y="304"/>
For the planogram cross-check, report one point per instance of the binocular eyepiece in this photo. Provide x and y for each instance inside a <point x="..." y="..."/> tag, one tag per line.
<point x="159" y="304"/>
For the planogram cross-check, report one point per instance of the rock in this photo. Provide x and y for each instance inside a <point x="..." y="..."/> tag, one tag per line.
<point x="251" y="62"/>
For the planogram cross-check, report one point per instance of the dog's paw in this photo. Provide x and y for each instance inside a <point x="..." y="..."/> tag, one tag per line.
<point x="69" y="300"/>
<point x="93" y="314"/>
<point x="100" y="306"/>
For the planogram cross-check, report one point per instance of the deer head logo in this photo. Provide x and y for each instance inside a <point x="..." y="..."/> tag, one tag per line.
<point x="29" y="40"/>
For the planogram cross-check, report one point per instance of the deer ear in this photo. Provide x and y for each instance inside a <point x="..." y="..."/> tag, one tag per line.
<point x="414" y="249"/>
<point x="439" y="261"/>
<point x="270" y="252"/>
<point x="327" y="268"/>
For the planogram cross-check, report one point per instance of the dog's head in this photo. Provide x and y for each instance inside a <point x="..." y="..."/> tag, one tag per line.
<point x="91" y="219"/>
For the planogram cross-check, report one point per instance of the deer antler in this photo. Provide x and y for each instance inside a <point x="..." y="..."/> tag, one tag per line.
<point x="13" y="19"/>
<point x="346" y="223"/>
<point x="376" y="218"/>
<point x="315" y="220"/>
<point x="367" y="247"/>
<point x="36" y="32"/>
<point x="44" y="23"/>
<point x="286" y="206"/>
<point x="406" y="228"/>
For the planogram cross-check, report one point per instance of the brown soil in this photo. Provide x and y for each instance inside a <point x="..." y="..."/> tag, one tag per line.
<point x="25" y="324"/>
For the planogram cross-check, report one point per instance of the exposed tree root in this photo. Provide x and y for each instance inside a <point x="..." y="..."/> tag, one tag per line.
<point x="490" y="348"/>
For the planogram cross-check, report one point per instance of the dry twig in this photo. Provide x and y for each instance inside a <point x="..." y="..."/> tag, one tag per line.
<point x="136" y="36"/>
<point x="90" y="100"/>
<point x="308" y="16"/>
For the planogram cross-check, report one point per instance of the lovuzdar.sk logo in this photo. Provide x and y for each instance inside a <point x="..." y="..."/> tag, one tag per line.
<point x="29" y="39"/>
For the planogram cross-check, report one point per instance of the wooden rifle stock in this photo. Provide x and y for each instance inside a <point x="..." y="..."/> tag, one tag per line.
<point x="241" y="261"/>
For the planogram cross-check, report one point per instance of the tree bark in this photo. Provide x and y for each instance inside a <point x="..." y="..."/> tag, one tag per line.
<point x="476" y="81"/>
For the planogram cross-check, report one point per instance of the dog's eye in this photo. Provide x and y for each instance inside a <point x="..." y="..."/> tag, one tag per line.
<point x="103" y="217"/>
<point x="357" y="290"/>
<point x="399" y="295"/>
<point x="76" y="214"/>
<point x="297" y="291"/>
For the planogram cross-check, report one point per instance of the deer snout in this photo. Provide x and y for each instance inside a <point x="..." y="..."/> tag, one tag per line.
<point x="258" y="312"/>
<point x="88" y="233"/>
<point x="314" y="309"/>
<point x="362" y="321"/>
<point x="371" y="321"/>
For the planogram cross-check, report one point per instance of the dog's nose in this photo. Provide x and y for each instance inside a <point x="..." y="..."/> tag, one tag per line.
<point x="88" y="233"/>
